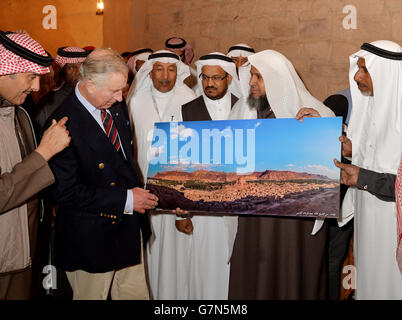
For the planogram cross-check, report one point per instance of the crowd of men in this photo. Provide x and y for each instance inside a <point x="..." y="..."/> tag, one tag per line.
<point x="91" y="164"/>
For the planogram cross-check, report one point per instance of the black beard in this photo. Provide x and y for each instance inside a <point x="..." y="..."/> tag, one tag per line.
<point x="216" y="97"/>
<point x="262" y="106"/>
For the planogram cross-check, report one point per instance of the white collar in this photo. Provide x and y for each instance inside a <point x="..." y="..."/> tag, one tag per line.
<point x="219" y="109"/>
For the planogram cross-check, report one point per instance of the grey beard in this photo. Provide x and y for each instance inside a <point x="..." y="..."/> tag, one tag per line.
<point x="261" y="105"/>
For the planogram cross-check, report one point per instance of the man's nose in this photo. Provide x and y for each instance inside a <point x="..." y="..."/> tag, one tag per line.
<point x="210" y="81"/>
<point x="35" y="86"/>
<point x="252" y="81"/>
<point x="165" y="74"/>
<point x="357" y="76"/>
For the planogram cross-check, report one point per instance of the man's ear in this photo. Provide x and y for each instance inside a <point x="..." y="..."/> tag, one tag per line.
<point x="229" y="77"/>
<point x="90" y="85"/>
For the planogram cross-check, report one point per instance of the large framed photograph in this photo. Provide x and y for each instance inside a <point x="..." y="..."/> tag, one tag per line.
<point x="279" y="167"/>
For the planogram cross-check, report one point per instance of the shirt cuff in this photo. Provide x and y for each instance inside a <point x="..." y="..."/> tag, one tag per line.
<point x="363" y="179"/>
<point x="129" y="207"/>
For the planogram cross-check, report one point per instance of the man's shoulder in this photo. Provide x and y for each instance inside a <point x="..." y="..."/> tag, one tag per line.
<point x="139" y="97"/>
<point x="66" y="109"/>
<point x="195" y="102"/>
<point x="185" y="90"/>
<point x="68" y="105"/>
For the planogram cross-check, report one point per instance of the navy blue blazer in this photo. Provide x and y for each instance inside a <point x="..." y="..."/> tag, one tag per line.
<point x="92" y="178"/>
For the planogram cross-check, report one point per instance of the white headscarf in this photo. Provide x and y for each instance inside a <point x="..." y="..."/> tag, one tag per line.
<point x="176" y="44"/>
<point x="285" y="91"/>
<point x="243" y="50"/>
<point x="240" y="49"/>
<point x="213" y="59"/>
<point x="138" y="55"/>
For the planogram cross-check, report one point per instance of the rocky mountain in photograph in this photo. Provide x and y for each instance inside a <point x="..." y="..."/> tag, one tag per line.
<point x="218" y="176"/>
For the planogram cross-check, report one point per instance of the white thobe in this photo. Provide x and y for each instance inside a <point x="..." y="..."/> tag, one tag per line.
<point x="377" y="272"/>
<point x="167" y="252"/>
<point x="213" y="237"/>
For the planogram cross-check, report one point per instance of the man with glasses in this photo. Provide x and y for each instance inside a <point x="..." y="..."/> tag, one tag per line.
<point x="212" y="237"/>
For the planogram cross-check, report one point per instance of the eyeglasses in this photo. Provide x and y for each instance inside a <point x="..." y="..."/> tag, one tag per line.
<point x="204" y="77"/>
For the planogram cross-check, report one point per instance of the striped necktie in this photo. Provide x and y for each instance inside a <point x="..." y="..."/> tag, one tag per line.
<point x="110" y="129"/>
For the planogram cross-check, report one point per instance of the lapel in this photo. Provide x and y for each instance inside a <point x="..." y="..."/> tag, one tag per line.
<point x="123" y="127"/>
<point x="90" y="131"/>
<point x="233" y="100"/>
<point x="201" y="112"/>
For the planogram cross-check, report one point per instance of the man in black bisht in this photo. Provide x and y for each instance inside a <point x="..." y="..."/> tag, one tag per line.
<point x="278" y="257"/>
<point x="66" y="67"/>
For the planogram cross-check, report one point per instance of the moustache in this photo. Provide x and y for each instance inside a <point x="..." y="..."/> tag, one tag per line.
<point x="210" y="87"/>
<point x="164" y="82"/>
<point x="361" y="84"/>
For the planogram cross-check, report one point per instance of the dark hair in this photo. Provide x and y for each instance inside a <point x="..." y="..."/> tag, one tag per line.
<point x="126" y="54"/>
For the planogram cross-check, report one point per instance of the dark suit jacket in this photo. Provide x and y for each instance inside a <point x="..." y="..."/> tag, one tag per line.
<point x="92" y="179"/>
<point x="196" y="110"/>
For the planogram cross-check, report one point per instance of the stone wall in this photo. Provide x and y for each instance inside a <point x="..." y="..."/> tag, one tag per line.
<point x="311" y="33"/>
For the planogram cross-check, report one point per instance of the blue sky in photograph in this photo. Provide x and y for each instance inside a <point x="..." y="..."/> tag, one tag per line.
<point x="248" y="145"/>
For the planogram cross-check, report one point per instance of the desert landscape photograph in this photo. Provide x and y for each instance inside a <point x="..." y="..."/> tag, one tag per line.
<point x="260" y="167"/>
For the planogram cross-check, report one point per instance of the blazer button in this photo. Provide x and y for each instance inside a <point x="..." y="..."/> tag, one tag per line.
<point x="101" y="165"/>
<point x="117" y="114"/>
<point x="131" y="142"/>
<point x="112" y="184"/>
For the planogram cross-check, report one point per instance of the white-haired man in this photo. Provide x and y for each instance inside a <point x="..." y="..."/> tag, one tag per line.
<point x="98" y="190"/>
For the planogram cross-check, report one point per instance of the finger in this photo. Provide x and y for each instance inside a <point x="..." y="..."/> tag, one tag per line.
<point x="339" y="164"/>
<point x="302" y="113"/>
<point x="62" y="121"/>
<point x="54" y="122"/>
<point x="151" y="204"/>
<point x="152" y="197"/>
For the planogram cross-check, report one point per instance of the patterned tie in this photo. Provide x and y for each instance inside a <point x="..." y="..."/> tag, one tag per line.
<point x="111" y="130"/>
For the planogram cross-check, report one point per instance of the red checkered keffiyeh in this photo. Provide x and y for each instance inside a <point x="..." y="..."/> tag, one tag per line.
<point x="398" y="198"/>
<point x="11" y="63"/>
<point x="61" y="60"/>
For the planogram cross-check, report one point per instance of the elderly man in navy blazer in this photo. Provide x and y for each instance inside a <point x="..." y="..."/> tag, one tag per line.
<point x="98" y="191"/>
